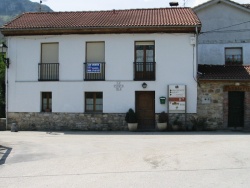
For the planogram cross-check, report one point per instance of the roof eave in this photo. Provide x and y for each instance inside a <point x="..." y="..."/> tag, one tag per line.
<point x="100" y="30"/>
<point x="212" y="2"/>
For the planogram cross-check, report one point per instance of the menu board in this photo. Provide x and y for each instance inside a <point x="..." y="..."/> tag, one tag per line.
<point x="177" y="98"/>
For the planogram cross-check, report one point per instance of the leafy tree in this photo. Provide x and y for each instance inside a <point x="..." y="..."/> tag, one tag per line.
<point x="2" y="87"/>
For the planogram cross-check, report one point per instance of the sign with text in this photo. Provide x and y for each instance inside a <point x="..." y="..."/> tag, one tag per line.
<point x="177" y="98"/>
<point x="93" y="68"/>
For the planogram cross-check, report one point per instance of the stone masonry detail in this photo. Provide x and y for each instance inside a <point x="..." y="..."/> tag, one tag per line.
<point x="67" y="121"/>
<point x="216" y="111"/>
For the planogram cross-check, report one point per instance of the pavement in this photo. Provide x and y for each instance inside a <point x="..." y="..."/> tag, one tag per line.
<point x="124" y="159"/>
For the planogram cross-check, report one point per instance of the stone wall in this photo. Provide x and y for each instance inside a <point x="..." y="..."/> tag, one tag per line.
<point x="212" y="103"/>
<point x="67" y="121"/>
<point x="2" y="124"/>
<point x="78" y="121"/>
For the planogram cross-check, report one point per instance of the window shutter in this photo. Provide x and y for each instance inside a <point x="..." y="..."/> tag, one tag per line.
<point x="95" y="52"/>
<point x="50" y="53"/>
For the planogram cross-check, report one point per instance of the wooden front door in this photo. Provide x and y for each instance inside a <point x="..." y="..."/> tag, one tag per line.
<point x="145" y="109"/>
<point x="236" y="108"/>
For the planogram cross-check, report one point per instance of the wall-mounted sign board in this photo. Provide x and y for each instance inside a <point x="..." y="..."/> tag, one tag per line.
<point x="93" y="68"/>
<point x="177" y="98"/>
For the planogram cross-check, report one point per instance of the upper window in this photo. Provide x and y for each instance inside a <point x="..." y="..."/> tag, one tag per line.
<point x="144" y="51"/>
<point x="50" y="53"/>
<point x="95" y="61"/>
<point x="93" y="101"/>
<point x="46" y="102"/>
<point x="144" y="66"/>
<point x="95" y="52"/>
<point x="233" y="56"/>
<point x="48" y="69"/>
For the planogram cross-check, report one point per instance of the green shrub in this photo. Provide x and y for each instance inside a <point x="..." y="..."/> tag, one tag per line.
<point x="131" y="116"/>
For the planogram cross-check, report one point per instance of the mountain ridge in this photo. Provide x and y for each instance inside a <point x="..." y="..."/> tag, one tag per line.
<point x="11" y="9"/>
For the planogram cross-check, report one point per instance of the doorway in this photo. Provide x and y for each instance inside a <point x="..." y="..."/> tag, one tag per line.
<point x="236" y="108"/>
<point x="145" y="109"/>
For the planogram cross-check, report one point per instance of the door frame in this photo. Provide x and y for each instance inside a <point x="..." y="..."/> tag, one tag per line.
<point x="136" y="107"/>
<point x="242" y="98"/>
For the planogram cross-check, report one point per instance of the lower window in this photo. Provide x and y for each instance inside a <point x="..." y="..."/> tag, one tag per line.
<point x="93" y="101"/>
<point x="46" y="101"/>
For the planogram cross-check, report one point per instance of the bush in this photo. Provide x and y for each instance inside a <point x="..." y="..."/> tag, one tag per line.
<point x="163" y="117"/>
<point x="131" y="116"/>
<point x="199" y="123"/>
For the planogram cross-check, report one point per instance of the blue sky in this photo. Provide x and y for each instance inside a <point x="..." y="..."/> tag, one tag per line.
<point x="83" y="5"/>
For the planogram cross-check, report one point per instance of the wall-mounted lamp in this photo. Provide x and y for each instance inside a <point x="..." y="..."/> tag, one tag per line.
<point x="5" y="60"/>
<point x="144" y="85"/>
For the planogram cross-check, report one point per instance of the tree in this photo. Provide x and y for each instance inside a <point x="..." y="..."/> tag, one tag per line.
<point x="2" y="88"/>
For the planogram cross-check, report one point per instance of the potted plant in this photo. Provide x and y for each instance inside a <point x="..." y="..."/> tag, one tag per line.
<point x="177" y="124"/>
<point x="131" y="119"/>
<point x="162" y="121"/>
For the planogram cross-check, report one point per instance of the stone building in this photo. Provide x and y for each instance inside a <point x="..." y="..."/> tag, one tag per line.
<point x="224" y="59"/>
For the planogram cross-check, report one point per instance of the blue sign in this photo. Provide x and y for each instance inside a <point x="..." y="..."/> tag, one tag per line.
<point x="93" y="68"/>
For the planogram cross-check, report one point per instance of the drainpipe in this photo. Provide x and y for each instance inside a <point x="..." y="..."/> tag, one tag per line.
<point x="196" y="30"/>
<point x="6" y="88"/>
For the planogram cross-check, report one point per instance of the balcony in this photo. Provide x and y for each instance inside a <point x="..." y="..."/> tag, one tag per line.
<point x="144" y="71"/>
<point x="48" y="72"/>
<point x="94" y="71"/>
<point x="233" y="60"/>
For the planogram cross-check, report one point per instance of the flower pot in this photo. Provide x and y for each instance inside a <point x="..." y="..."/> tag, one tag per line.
<point x="132" y="126"/>
<point x="162" y="126"/>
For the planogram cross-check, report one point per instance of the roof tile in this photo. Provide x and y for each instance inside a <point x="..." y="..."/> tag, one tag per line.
<point x="112" y="18"/>
<point x="224" y="72"/>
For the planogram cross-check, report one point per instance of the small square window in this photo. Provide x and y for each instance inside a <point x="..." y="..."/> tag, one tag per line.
<point x="93" y="101"/>
<point x="46" y="102"/>
<point x="233" y="56"/>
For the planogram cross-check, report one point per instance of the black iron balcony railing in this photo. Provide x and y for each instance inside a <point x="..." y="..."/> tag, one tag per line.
<point x="94" y="71"/>
<point x="233" y="60"/>
<point x="48" y="72"/>
<point x="144" y="70"/>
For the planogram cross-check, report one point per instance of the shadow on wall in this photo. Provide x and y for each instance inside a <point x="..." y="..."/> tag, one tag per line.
<point x="4" y="153"/>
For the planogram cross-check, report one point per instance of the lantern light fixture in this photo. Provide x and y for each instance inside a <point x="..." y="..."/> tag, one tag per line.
<point x="4" y="50"/>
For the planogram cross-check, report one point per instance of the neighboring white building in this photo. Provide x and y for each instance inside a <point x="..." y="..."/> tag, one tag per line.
<point x="84" y="70"/>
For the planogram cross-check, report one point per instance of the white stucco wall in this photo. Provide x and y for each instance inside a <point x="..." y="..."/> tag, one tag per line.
<point x="223" y="27"/>
<point x="174" y="56"/>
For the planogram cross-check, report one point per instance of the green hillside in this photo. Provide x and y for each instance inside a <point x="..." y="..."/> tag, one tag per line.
<point x="11" y="8"/>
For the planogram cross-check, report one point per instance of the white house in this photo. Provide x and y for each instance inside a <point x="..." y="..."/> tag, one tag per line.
<point x="84" y="70"/>
<point x="224" y="64"/>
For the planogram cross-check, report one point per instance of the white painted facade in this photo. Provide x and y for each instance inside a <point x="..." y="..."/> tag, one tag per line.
<point x="175" y="60"/>
<point x="225" y="24"/>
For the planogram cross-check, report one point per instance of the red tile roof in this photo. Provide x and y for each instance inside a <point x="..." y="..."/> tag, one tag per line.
<point x="113" y="18"/>
<point x="224" y="72"/>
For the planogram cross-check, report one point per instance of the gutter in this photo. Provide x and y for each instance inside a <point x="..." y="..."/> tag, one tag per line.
<point x="99" y="30"/>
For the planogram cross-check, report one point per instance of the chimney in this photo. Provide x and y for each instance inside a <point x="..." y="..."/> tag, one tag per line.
<point x="174" y="4"/>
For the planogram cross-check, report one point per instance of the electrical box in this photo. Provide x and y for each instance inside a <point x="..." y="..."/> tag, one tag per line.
<point x="192" y="40"/>
<point x="206" y="99"/>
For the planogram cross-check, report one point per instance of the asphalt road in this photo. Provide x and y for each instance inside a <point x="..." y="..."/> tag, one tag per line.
<point x="124" y="159"/>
